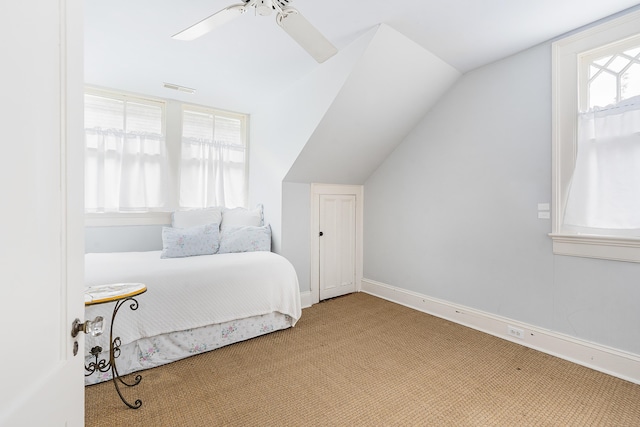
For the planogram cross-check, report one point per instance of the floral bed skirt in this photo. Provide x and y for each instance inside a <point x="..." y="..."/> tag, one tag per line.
<point x="162" y="349"/>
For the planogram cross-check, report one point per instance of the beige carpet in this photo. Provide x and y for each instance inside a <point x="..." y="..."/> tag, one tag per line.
<point x="362" y="361"/>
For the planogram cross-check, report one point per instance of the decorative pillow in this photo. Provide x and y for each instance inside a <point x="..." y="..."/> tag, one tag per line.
<point x="193" y="218"/>
<point x="183" y="242"/>
<point x="245" y="239"/>
<point x="242" y="216"/>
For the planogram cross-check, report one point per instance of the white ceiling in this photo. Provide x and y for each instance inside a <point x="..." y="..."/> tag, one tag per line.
<point x="241" y="65"/>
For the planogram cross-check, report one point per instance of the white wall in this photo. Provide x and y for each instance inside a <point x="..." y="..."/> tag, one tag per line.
<point x="296" y="230"/>
<point x="133" y="238"/>
<point x="281" y="128"/>
<point x="452" y="213"/>
<point x="389" y="90"/>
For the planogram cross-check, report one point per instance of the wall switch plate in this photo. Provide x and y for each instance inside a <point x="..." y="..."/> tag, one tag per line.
<point x="544" y="215"/>
<point x="544" y="206"/>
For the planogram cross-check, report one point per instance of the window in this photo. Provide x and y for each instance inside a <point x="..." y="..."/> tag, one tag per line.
<point x="146" y="158"/>
<point x="604" y="195"/>
<point x="213" y="160"/>
<point x="126" y="166"/>
<point x="610" y="74"/>
<point x="596" y="142"/>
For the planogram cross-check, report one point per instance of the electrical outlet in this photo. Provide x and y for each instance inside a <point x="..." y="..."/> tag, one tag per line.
<point x="515" y="332"/>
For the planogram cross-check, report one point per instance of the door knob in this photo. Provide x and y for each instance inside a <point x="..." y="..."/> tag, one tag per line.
<point x="321" y="234"/>
<point x="93" y="327"/>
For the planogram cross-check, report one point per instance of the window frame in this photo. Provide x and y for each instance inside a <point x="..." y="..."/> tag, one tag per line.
<point x="94" y="219"/>
<point x="566" y="54"/>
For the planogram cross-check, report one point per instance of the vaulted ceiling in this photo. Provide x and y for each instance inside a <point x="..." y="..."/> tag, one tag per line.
<point x="243" y="64"/>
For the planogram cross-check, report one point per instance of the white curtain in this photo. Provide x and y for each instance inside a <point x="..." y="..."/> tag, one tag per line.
<point x="211" y="174"/>
<point x="605" y="187"/>
<point x="125" y="172"/>
<point x="212" y="169"/>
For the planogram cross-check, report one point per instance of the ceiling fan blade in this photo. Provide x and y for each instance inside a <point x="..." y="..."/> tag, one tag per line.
<point x="306" y="35"/>
<point x="214" y="21"/>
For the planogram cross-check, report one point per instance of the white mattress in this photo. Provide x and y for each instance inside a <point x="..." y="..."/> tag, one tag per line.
<point x="187" y="293"/>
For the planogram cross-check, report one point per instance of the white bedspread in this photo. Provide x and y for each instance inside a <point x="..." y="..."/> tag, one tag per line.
<point x="185" y="293"/>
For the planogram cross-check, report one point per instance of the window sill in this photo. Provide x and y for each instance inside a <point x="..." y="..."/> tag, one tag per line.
<point x="117" y="219"/>
<point x="592" y="246"/>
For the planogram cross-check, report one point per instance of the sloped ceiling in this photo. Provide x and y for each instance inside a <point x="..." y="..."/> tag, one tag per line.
<point x="251" y="60"/>
<point x="246" y="65"/>
<point x="390" y="88"/>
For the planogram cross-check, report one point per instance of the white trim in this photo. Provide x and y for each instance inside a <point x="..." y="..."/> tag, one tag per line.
<point x="565" y="62"/>
<point x="601" y="358"/>
<point x="306" y="300"/>
<point x="603" y="247"/>
<point x="316" y="191"/>
<point x="116" y="219"/>
<point x="124" y="95"/>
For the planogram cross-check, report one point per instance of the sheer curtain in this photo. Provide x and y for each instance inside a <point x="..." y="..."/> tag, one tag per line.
<point x="605" y="187"/>
<point x="124" y="172"/>
<point x="212" y="170"/>
<point x="126" y="166"/>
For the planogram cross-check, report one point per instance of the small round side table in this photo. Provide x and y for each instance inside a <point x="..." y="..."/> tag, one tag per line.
<point x="120" y="293"/>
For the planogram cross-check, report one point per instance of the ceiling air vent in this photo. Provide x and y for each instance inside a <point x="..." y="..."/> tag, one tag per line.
<point x="178" y="87"/>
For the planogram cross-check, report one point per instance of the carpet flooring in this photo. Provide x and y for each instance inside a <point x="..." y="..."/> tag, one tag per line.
<point x="359" y="360"/>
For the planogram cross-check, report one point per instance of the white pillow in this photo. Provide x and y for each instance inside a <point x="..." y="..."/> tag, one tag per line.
<point x="245" y="239"/>
<point x="193" y="218"/>
<point x="242" y="217"/>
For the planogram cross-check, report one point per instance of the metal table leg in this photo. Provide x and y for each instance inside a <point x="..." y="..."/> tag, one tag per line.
<point x="114" y="351"/>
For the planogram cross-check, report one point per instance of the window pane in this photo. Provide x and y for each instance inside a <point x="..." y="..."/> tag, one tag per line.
<point x="602" y="90"/>
<point x="125" y="159"/>
<point x="197" y="125"/>
<point x="632" y="52"/>
<point x="144" y="118"/>
<point x="603" y="61"/>
<point x="631" y="82"/>
<point x="618" y="64"/>
<point x="103" y="113"/>
<point x="229" y="131"/>
<point x="213" y="166"/>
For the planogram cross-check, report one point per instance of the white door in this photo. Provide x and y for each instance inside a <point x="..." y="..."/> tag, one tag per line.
<point x="337" y="237"/>
<point x="41" y="255"/>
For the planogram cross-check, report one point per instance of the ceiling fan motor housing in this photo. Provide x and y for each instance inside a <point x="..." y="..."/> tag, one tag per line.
<point x="283" y="3"/>
<point x="265" y="7"/>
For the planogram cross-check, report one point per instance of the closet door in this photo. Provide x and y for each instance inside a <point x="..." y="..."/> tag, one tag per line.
<point x="337" y="239"/>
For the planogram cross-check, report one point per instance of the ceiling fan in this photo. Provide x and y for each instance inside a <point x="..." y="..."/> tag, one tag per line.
<point x="296" y="25"/>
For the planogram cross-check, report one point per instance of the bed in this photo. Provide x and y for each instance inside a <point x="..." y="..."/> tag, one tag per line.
<point x="193" y="304"/>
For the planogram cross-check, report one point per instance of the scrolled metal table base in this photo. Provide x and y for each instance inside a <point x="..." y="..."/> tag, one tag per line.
<point x="114" y="351"/>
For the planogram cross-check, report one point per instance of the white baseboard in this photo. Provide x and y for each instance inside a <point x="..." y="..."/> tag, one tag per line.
<point x="604" y="359"/>
<point x="305" y="299"/>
